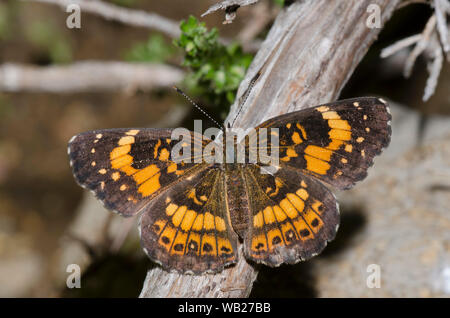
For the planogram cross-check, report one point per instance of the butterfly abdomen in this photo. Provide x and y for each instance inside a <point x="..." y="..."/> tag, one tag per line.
<point x="237" y="199"/>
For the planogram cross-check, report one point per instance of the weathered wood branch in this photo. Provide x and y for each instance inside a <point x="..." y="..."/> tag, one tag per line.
<point x="87" y="76"/>
<point x="113" y="12"/>
<point x="306" y="59"/>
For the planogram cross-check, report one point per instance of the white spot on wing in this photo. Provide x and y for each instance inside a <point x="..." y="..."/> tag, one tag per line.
<point x="72" y="139"/>
<point x="382" y="100"/>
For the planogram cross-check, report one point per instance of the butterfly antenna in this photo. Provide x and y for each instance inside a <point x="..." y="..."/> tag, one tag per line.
<point x="179" y="91"/>
<point x="243" y="99"/>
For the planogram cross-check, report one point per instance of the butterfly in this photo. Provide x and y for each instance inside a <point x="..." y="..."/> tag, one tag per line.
<point x="194" y="215"/>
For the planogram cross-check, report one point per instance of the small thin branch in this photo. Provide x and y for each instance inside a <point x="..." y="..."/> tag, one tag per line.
<point x="440" y="9"/>
<point x="132" y="17"/>
<point x="420" y="46"/>
<point x="427" y="43"/>
<point x="88" y="76"/>
<point x="434" y="66"/>
<point x="399" y="45"/>
<point x="230" y="7"/>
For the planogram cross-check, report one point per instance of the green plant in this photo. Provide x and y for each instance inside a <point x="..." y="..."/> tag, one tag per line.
<point x="154" y="50"/>
<point x="216" y="69"/>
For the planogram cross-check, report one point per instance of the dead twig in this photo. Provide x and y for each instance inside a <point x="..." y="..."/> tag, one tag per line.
<point x="434" y="66"/>
<point x="87" y="76"/>
<point x="421" y="45"/>
<point x="113" y="12"/>
<point x="432" y="42"/>
<point x="399" y="45"/>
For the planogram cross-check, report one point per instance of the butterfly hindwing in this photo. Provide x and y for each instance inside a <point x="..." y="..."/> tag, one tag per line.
<point x="126" y="168"/>
<point x="292" y="216"/>
<point x="187" y="227"/>
<point x="334" y="142"/>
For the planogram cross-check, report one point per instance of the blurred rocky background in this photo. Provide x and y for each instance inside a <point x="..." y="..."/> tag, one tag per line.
<point x="396" y="221"/>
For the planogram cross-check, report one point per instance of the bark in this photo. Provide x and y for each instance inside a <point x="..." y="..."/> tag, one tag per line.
<point x="308" y="56"/>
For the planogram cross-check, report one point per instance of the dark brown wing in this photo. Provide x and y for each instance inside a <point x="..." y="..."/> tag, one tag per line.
<point x="127" y="168"/>
<point x="334" y="142"/>
<point x="187" y="228"/>
<point x="292" y="216"/>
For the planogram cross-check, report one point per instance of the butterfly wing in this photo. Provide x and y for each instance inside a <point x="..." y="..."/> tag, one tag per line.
<point x="187" y="228"/>
<point x="126" y="168"/>
<point x="184" y="223"/>
<point x="334" y="142"/>
<point x="292" y="216"/>
<point x="292" y="213"/>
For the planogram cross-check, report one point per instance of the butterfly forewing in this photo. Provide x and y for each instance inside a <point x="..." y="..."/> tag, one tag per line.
<point x="334" y="142"/>
<point x="126" y="168"/>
